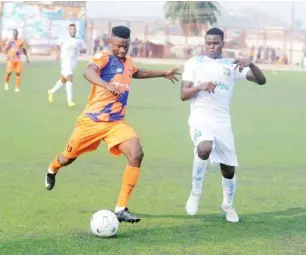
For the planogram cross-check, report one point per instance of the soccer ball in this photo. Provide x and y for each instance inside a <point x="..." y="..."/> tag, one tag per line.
<point x="104" y="223"/>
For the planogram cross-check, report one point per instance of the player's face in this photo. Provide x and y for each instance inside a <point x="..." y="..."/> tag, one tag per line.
<point x="120" y="46"/>
<point x="213" y="45"/>
<point x="15" y="34"/>
<point x="72" y="31"/>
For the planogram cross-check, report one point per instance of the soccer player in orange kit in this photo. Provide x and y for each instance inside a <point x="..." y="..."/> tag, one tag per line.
<point x="110" y="74"/>
<point x="14" y="49"/>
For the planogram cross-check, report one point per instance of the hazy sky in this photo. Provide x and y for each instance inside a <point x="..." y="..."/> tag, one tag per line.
<point x="117" y="9"/>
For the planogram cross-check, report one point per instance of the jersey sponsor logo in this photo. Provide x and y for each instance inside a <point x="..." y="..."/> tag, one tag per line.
<point x="226" y="71"/>
<point x="221" y="85"/>
<point x="119" y="70"/>
<point x="125" y="87"/>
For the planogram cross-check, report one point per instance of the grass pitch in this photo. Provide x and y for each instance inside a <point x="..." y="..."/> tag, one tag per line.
<point x="269" y="126"/>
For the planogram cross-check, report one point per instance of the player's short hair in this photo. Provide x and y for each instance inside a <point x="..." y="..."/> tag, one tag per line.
<point x="121" y="32"/>
<point x="216" y="31"/>
<point x="15" y="30"/>
<point x="72" y="25"/>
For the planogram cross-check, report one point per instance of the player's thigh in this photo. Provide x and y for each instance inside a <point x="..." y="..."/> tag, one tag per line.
<point x="10" y="66"/>
<point x="18" y="67"/>
<point x="117" y="135"/>
<point x="85" y="137"/>
<point x="66" y="69"/>
<point x="69" y="77"/>
<point x="224" y="151"/>
<point x="201" y="134"/>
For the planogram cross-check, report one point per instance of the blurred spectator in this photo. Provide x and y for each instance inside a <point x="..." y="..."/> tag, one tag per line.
<point x="273" y="55"/>
<point x="277" y="55"/>
<point x="259" y="51"/>
<point x="252" y="52"/>
<point x="96" y="45"/>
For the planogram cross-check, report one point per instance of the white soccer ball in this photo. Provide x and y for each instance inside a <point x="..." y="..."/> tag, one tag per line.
<point x="104" y="223"/>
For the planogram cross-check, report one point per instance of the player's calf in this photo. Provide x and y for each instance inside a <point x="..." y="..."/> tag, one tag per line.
<point x="133" y="151"/>
<point x="228" y="172"/>
<point x="229" y="188"/>
<point x="59" y="162"/>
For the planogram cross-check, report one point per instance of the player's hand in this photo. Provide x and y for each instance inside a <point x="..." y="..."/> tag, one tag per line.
<point x="171" y="74"/>
<point x="207" y="86"/>
<point x="113" y="89"/>
<point x="242" y="63"/>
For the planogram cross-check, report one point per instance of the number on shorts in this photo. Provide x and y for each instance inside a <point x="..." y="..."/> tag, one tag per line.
<point x="69" y="148"/>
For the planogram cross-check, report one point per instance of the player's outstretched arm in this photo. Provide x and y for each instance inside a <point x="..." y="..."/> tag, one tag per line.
<point x="92" y="75"/>
<point x="146" y="74"/>
<point x="255" y="74"/>
<point x="25" y="52"/>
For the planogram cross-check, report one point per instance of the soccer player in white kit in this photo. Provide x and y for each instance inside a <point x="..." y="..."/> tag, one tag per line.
<point x="69" y="51"/>
<point x="208" y="82"/>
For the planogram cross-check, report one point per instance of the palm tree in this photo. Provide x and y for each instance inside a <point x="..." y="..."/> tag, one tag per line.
<point x="192" y="15"/>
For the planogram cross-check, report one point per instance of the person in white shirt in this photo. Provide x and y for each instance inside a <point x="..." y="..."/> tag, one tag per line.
<point x="208" y="82"/>
<point x="69" y="50"/>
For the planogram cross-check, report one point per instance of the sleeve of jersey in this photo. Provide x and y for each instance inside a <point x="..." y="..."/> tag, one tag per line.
<point x="100" y="60"/>
<point x="189" y="70"/>
<point x="134" y="68"/>
<point x="241" y="75"/>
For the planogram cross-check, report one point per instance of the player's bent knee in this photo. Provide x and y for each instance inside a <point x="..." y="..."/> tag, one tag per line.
<point x="65" y="161"/>
<point x="136" y="156"/>
<point x="69" y="78"/>
<point x="204" y="149"/>
<point x="228" y="172"/>
<point x="17" y="74"/>
<point x="63" y="79"/>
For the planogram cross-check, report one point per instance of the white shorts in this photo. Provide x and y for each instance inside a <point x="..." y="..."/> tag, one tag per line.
<point x="220" y="133"/>
<point x="67" y="68"/>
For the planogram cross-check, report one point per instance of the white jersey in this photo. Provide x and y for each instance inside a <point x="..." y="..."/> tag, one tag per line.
<point x="70" y="49"/>
<point x="221" y="71"/>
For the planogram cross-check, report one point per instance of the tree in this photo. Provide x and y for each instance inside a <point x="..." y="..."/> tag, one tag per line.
<point x="192" y="15"/>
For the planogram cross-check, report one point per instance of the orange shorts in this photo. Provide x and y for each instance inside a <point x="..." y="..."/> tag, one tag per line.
<point x="14" y="66"/>
<point x="88" y="134"/>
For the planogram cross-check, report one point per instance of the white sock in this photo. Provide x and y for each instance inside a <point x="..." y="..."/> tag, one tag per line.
<point x="198" y="173"/>
<point x="69" y="91"/>
<point x="119" y="208"/>
<point x="57" y="86"/>
<point x="50" y="171"/>
<point x="229" y="187"/>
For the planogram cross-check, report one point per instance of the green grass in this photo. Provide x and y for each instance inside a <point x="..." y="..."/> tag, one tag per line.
<point x="269" y="126"/>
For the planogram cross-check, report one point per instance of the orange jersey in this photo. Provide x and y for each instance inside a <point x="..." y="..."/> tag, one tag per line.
<point x="103" y="105"/>
<point x="14" y="49"/>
